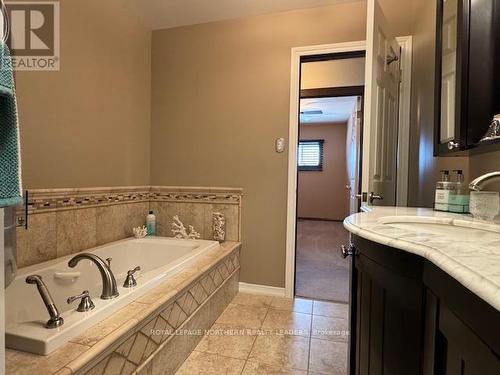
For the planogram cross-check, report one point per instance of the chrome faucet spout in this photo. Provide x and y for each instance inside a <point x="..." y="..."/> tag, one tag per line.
<point x="479" y="183"/>
<point x="55" y="319"/>
<point x="109" y="288"/>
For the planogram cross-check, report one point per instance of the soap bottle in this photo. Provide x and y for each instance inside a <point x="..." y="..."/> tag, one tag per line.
<point x="151" y="224"/>
<point x="460" y="196"/>
<point x="443" y="190"/>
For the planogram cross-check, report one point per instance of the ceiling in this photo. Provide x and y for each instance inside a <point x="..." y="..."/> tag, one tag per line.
<point x="163" y="14"/>
<point x="333" y="109"/>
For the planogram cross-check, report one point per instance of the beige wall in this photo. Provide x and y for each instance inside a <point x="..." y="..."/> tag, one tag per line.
<point x="323" y="195"/>
<point x="221" y="98"/>
<point x="333" y="73"/>
<point x="89" y="123"/>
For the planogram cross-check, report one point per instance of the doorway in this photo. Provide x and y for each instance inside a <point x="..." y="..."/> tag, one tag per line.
<point x="328" y="169"/>
<point x="300" y="54"/>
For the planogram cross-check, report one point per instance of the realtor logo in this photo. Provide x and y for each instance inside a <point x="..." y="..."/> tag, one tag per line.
<point x="32" y="34"/>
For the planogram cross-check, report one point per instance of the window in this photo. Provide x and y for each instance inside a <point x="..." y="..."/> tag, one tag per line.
<point x="310" y="155"/>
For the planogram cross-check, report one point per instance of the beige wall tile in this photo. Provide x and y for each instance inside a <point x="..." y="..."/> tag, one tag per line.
<point x="164" y="212"/>
<point x="199" y="215"/>
<point x="197" y="325"/>
<point x="189" y="214"/>
<point x="61" y="233"/>
<point x="170" y="357"/>
<point x="218" y="303"/>
<point x="194" y="214"/>
<point x="76" y="230"/>
<point x="38" y="243"/>
<point x="116" y="222"/>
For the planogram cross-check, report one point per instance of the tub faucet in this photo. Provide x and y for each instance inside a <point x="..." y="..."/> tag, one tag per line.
<point x="479" y="182"/>
<point x="109" y="289"/>
<point x="55" y="319"/>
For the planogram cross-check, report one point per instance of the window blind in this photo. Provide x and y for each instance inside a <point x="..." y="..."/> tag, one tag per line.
<point x="310" y="155"/>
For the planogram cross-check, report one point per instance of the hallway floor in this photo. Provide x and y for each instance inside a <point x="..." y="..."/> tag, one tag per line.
<point x="258" y="335"/>
<point x="321" y="272"/>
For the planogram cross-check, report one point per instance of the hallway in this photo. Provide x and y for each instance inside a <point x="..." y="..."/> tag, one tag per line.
<point x="321" y="272"/>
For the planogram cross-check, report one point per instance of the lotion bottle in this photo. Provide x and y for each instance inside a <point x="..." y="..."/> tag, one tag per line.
<point x="460" y="196"/>
<point x="443" y="190"/>
<point x="151" y="224"/>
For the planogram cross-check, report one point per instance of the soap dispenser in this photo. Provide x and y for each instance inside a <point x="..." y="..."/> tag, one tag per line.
<point x="443" y="190"/>
<point x="460" y="195"/>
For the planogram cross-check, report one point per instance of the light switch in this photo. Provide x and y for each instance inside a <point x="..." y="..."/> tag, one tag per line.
<point x="280" y="145"/>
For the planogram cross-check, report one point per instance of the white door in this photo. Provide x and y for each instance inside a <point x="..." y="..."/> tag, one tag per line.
<point x="380" y="129"/>
<point x="353" y="148"/>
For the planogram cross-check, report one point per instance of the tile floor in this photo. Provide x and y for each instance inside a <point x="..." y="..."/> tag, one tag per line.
<point x="321" y="272"/>
<point x="269" y="335"/>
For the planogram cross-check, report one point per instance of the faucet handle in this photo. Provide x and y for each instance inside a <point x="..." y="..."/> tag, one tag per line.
<point x="108" y="260"/>
<point x="130" y="280"/>
<point x="86" y="303"/>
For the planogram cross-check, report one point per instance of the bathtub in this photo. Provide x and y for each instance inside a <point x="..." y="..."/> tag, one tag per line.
<point x="26" y="315"/>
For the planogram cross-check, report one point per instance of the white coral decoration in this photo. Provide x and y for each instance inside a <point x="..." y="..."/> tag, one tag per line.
<point x="140" y="232"/>
<point x="219" y="226"/>
<point x="179" y="230"/>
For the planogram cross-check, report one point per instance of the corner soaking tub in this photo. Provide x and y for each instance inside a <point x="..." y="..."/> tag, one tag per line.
<point x="26" y="314"/>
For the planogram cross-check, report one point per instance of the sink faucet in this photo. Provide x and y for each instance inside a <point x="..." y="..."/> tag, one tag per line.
<point x="109" y="289"/>
<point x="479" y="182"/>
<point x="55" y="319"/>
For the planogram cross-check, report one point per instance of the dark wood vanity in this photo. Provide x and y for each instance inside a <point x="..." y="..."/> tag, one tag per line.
<point x="409" y="317"/>
<point x="467" y="82"/>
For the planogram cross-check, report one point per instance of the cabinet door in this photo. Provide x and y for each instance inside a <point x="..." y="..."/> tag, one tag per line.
<point x="460" y="351"/>
<point x="483" y="97"/>
<point x="449" y="82"/>
<point x="388" y="321"/>
<point x="467" y="82"/>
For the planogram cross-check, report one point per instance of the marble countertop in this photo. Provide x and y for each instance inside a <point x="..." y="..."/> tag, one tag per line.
<point x="466" y="249"/>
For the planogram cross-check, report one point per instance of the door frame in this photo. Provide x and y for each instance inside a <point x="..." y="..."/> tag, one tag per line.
<point x="293" y="133"/>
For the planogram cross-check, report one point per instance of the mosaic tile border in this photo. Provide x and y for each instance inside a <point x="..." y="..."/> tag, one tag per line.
<point x="196" y="194"/>
<point x="50" y="200"/>
<point x="137" y="349"/>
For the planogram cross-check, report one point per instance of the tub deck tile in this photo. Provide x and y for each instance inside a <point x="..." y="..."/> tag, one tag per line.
<point x="92" y="352"/>
<point x="21" y="363"/>
<point x="102" y="329"/>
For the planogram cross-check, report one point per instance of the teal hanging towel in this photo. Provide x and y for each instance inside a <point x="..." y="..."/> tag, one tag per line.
<point x="10" y="150"/>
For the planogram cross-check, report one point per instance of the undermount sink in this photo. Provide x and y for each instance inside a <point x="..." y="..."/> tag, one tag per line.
<point x="445" y="226"/>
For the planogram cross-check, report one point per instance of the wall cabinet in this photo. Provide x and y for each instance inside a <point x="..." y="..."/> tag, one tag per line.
<point x="467" y="82"/>
<point x="409" y="317"/>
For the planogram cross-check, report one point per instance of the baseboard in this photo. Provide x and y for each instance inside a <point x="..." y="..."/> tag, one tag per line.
<point x="320" y="219"/>
<point x="261" y="289"/>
